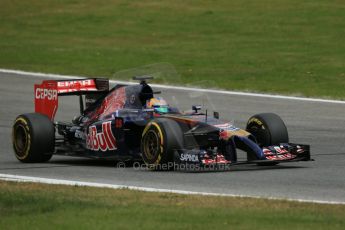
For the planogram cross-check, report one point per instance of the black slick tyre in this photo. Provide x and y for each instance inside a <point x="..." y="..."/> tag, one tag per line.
<point x="268" y="129"/>
<point x="160" y="138"/>
<point x="33" y="138"/>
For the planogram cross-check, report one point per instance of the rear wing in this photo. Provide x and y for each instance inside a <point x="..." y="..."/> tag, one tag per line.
<point x="46" y="93"/>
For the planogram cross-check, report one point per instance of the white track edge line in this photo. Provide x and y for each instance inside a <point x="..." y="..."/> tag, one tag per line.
<point x="18" y="178"/>
<point x="45" y="75"/>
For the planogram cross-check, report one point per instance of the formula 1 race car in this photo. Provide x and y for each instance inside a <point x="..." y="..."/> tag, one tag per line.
<point x="128" y="122"/>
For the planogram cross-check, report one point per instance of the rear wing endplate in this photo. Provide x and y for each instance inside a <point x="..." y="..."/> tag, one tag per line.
<point x="46" y="93"/>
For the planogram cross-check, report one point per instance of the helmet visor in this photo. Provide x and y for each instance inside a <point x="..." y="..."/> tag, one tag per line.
<point x="161" y="109"/>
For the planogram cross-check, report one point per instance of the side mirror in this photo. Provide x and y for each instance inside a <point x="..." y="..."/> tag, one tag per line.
<point x="216" y="115"/>
<point x="196" y="108"/>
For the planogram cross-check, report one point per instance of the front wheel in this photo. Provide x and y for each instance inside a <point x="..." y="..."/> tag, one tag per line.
<point x="268" y="129"/>
<point x="160" y="138"/>
<point x="33" y="138"/>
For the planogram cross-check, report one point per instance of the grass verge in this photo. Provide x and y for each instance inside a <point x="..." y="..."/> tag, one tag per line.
<point x="40" y="206"/>
<point x="287" y="47"/>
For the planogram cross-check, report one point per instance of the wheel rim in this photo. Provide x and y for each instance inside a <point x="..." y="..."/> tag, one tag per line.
<point x="20" y="140"/>
<point x="151" y="144"/>
<point x="260" y="133"/>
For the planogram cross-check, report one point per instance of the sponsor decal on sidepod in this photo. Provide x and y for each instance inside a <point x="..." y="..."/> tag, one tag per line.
<point x="103" y="140"/>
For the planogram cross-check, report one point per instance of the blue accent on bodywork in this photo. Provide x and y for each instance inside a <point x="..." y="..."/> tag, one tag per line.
<point x="253" y="146"/>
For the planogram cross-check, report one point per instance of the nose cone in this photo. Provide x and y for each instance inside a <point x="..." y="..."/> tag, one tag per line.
<point x="226" y="134"/>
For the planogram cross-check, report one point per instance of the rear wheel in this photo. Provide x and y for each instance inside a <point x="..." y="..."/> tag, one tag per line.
<point x="33" y="138"/>
<point x="159" y="140"/>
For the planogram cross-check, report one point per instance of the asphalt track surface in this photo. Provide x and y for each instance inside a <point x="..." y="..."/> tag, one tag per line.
<point x="320" y="124"/>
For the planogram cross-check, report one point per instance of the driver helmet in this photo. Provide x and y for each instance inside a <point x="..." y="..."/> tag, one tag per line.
<point x="158" y="104"/>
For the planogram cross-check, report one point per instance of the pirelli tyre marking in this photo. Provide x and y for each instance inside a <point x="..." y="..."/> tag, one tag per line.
<point x="256" y="121"/>
<point x="21" y="138"/>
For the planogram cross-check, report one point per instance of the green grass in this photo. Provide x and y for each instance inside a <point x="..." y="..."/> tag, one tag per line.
<point x="287" y="46"/>
<point x="38" y="206"/>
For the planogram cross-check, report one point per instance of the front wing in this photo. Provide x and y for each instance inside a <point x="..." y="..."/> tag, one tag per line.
<point x="283" y="153"/>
